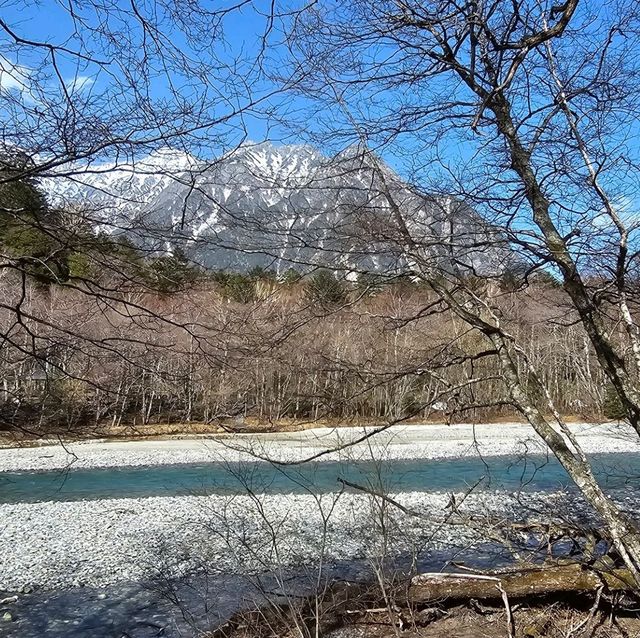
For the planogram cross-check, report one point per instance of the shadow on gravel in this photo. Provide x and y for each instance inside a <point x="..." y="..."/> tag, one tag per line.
<point x="126" y="610"/>
<point x="140" y="610"/>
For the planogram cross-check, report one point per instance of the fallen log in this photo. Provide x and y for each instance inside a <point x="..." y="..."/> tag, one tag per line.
<point x="534" y="581"/>
<point x="340" y="603"/>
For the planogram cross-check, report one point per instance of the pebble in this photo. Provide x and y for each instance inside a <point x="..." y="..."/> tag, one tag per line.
<point x="412" y="441"/>
<point x="9" y="600"/>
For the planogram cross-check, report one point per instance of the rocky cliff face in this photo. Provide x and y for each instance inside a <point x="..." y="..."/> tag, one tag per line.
<point x="278" y="207"/>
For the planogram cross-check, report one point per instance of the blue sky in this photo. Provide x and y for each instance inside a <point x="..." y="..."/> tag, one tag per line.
<point x="436" y="158"/>
<point x="236" y="45"/>
<point x="229" y="54"/>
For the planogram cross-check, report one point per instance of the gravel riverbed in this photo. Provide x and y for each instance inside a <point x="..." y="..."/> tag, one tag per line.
<point x="398" y="442"/>
<point x="53" y="545"/>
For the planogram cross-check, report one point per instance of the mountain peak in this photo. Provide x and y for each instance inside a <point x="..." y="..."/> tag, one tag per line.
<point x="277" y="162"/>
<point x="263" y="204"/>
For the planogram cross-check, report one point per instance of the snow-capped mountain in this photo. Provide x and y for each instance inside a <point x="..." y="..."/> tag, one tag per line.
<point x="119" y="189"/>
<point x="277" y="207"/>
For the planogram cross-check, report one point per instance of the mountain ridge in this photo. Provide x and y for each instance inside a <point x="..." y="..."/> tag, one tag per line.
<point x="274" y="206"/>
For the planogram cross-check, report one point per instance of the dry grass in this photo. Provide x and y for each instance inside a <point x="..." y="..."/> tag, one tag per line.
<point x="553" y="621"/>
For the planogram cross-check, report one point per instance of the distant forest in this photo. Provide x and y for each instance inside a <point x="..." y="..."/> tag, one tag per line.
<point x="103" y="334"/>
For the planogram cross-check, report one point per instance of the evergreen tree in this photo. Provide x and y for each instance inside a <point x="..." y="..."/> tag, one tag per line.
<point x="370" y="284"/>
<point x="259" y="273"/>
<point x="290" y="277"/>
<point x="235" y="286"/>
<point x="30" y="231"/>
<point x="170" y="273"/>
<point x="612" y="406"/>
<point x="326" y="290"/>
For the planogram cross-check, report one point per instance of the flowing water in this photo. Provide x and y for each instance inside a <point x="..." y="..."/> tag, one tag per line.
<point x="138" y="611"/>
<point x="615" y="471"/>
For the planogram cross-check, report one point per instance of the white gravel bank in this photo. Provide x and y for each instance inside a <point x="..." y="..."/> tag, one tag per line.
<point x="413" y="441"/>
<point x="54" y="545"/>
<point x="61" y="544"/>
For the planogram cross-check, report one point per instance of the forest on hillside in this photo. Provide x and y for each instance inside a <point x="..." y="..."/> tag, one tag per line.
<point x="106" y="334"/>
<point x="234" y="346"/>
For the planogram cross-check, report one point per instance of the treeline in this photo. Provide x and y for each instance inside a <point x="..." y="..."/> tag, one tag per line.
<point x="53" y="247"/>
<point x="98" y="331"/>
<point x="317" y="348"/>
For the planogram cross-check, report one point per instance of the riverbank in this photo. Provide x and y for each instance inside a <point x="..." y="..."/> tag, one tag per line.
<point x="54" y="545"/>
<point x="398" y="442"/>
<point x="101" y="545"/>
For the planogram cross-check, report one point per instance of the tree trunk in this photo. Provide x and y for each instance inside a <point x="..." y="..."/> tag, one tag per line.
<point x="575" y="578"/>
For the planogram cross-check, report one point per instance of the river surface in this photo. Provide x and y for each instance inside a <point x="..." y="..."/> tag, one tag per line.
<point x="139" y="610"/>
<point x="615" y="471"/>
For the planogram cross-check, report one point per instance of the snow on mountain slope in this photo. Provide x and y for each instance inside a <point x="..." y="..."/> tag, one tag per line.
<point x="272" y="206"/>
<point x="118" y="189"/>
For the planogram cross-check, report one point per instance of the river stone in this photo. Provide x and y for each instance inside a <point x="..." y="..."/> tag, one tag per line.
<point x="9" y="600"/>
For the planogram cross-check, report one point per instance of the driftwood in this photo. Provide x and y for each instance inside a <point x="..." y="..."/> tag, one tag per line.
<point x="535" y="581"/>
<point x="340" y="603"/>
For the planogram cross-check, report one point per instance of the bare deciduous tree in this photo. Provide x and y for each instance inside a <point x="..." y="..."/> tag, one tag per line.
<point x="525" y="110"/>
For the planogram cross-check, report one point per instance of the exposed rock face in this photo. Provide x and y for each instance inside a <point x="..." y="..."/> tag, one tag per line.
<point x="278" y="207"/>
